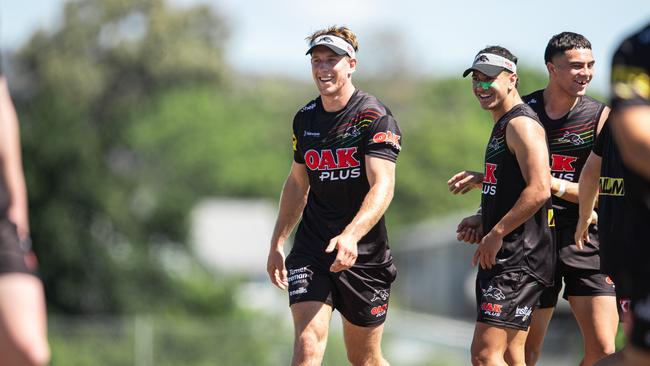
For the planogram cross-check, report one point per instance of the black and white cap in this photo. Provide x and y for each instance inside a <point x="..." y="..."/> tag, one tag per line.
<point x="491" y="65"/>
<point x="336" y="44"/>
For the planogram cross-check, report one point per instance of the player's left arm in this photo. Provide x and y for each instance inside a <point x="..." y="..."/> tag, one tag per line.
<point x="631" y="127"/>
<point x="381" y="177"/>
<point x="527" y="140"/>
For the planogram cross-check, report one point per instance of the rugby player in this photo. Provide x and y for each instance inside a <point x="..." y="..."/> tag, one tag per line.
<point x="345" y="145"/>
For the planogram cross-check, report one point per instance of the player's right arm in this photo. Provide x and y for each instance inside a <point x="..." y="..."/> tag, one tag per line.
<point x="588" y="192"/>
<point x="292" y="203"/>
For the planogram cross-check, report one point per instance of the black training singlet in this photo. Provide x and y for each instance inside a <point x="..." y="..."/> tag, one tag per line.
<point x="631" y="87"/>
<point x="611" y="202"/>
<point x="333" y="147"/>
<point x="529" y="247"/>
<point x="570" y="140"/>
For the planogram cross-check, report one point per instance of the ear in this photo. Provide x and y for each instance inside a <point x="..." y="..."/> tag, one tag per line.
<point x="512" y="79"/>
<point x="353" y="64"/>
<point x="550" y="68"/>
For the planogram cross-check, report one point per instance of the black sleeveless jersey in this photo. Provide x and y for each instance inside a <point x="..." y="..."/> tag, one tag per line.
<point x="611" y="202"/>
<point x="333" y="146"/>
<point x="570" y="140"/>
<point x="630" y="87"/>
<point x="531" y="246"/>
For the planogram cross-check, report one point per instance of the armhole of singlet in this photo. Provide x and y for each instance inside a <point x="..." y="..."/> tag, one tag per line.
<point x="601" y="109"/>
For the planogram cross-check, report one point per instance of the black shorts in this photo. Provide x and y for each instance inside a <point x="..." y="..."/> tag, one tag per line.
<point x="579" y="278"/>
<point x="12" y="256"/>
<point x="508" y="299"/>
<point x="360" y="294"/>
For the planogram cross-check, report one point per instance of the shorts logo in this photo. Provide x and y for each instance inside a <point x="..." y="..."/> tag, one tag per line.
<point x="388" y="137"/>
<point x="380" y="310"/>
<point x="494" y="293"/>
<point x="491" y="309"/>
<point x="380" y="295"/>
<point x="300" y="277"/>
<point x="524" y="312"/>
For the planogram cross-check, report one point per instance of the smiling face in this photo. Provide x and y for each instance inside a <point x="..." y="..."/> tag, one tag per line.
<point x="572" y="71"/>
<point x="492" y="91"/>
<point x="331" y="72"/>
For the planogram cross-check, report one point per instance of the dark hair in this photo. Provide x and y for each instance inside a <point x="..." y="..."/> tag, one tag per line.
<point x="500" y="51"/>
<point x="564" y="41"/>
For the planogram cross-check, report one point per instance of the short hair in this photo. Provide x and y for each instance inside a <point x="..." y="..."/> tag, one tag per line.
<point x="341" y="32"/>
<point x="500" y="51"/>
<point x="565" y="41"/>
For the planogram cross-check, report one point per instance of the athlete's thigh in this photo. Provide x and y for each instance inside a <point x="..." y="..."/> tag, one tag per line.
<point x="539" y="322"/>
<point x="362" y="339"/>
<point x="597" y="317"/>
<point x="22" y="310"/>
<point x="311" y="316"/>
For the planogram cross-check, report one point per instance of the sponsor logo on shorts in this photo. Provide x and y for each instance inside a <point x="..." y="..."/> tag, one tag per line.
<point x="380" y="295"/>
<point x="491" y="309"/>
<point x="523" y="312"/>
<point x="299" y="291"/>
<point x="379" y="311"/>
<point x="300" y="275"/>
<point x="494" y="293"/>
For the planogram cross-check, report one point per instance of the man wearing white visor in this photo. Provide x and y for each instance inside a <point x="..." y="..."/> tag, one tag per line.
<point x="345" y="145"/>
<point x="515" y="241"/>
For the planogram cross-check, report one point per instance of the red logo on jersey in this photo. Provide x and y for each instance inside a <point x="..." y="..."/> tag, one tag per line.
<point x="562" y="163"/>
<point x="489" y="173"/>
<point x="326" y="160"/>
<point x="389" y="137"/>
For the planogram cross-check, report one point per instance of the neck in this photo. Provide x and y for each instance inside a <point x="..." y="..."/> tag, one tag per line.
<point x="511" y="100"/>
<point x="338" y="101"/>
<point x="557" y="103"/>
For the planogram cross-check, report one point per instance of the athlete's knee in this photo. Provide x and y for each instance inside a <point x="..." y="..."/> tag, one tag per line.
<point x="309" y="346"/>
<point x="366" y="357"/>
<point x="486" y="358"/>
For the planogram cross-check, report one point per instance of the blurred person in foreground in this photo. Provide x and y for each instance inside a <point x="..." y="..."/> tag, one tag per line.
<point x="630" y="123"/>
<point x="345" y="145"/>
<point x="515" y="241"/>
<point x="23" y="325"/>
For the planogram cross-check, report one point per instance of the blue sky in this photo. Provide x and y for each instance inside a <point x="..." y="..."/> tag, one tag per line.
<point x="431" y="38"/>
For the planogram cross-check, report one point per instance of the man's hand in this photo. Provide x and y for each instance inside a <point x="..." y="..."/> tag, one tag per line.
<point x="470" y="229"/>
<point x="465" y="181"/>
<point x="581" y="235"/>
<point x="346" y="255"/>
<point x="276" y="270"/>
<point x="486" y="253"/>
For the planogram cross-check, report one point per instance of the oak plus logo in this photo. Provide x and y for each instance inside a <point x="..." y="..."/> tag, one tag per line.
<point x="490" y="179"/>
<point x="340" y="164"/>
<point x="562" y="166"/>
<point x="491" y="309"/>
